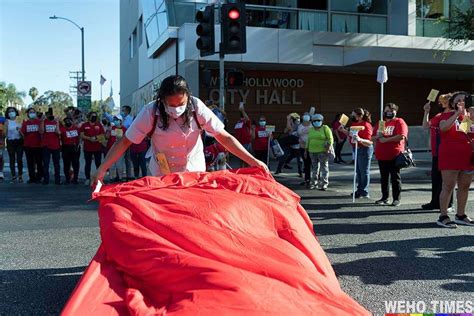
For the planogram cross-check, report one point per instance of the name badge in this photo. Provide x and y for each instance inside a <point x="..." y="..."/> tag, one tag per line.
<point x="50" y="128"/>
<point x="239" y="125"/>
<point x="72" y="134"/>
<point x="32" y="128"/>
<point x="262" y="134"/>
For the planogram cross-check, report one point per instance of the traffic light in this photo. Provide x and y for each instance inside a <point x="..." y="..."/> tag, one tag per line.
<point x="234" y="21"/>
<point x="235" y="78"/>
<point x="205" y="31"/>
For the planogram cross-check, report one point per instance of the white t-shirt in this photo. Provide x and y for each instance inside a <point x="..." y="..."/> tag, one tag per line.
<point x="13" y="131"/>
<point x="303" y="134"/>
<point x="182" y="147"/>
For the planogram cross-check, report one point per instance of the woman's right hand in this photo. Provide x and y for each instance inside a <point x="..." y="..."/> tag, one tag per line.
<point x="97" y="176"/>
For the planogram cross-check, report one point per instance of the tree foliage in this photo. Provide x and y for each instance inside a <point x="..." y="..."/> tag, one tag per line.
<point x="9" y="96"/>
<point x="33" y="93"/>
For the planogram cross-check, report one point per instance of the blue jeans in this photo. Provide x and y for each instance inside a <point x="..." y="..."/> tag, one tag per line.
<point x="364" y="156"/>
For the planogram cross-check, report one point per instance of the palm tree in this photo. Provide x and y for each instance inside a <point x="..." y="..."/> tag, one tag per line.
<point x="33" y="93"/>
<point x="9" y="96"/>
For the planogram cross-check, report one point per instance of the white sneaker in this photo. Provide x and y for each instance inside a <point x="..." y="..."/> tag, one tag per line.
<point x="87" y="182"/>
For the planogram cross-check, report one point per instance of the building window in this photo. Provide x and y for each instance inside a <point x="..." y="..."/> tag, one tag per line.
<point x="432" y="9"/>
<point x="140" y="31"/>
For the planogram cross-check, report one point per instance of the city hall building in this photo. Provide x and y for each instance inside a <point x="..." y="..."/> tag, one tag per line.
<point x="300" y="54"/>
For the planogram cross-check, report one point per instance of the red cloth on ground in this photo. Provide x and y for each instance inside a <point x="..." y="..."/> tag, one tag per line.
<point x="455" y="147"/>
<point x="220" y="243"/>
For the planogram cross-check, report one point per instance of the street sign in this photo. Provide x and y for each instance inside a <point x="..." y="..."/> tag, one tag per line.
<point x="84" y="103"/>
<point x="84" y="88"/>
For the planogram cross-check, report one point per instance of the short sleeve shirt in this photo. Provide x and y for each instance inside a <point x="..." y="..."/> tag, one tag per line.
<point x="390" y="150"/>
<point x="182" y="146"/>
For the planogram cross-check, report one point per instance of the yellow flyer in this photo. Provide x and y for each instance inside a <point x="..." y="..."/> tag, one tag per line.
<point x="163" y="163"/>
<point x="432" y="96"/>
<point x="344" y="119"/>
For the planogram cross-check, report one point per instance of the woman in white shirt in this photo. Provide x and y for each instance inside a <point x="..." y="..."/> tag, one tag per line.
<point x="174" y="123"/>
<point x="14" y="143"/>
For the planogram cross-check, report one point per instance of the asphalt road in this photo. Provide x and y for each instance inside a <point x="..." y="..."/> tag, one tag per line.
<point x="48" y="234"/>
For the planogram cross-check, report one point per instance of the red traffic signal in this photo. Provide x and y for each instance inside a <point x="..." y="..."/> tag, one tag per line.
<point x="234" y="14"/>
<point x="235" y="78"/>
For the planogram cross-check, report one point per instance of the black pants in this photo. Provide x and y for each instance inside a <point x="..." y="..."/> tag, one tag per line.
<point x="437" y="184"/>
<point x="295" y="153"/>
<point x="261" y="155"/>
<point x="34" y="160"/>
<point x="338" y="150"/>
<point x="15" y="154"/>
<point x="306" y="165"/>
<point x="389" y="170"/>
<point x="139" y="162"/>
<point x="71" y="154"/>
<point x="88" y="157"/>
<point x="47" y="154"/>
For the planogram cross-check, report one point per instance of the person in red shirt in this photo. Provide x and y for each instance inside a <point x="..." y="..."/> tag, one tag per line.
<point x="365" y="150"/>
<point x="339" y="138"/>
<point x="70" y="149"/>
<point x="137" y="154"/>
<point x="454" y="161"/>
<point x="260" y="140"/>
<point x="33" y="146"/>
<point x="390" y="142"/>
<point x="433" y="125"/>
<point x="243" y="131"/>
<point x="49" y="130"/>
<point x="91" y="133"/>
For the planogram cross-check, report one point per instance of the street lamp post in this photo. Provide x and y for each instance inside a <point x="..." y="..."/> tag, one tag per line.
<point x="82" y="39"/>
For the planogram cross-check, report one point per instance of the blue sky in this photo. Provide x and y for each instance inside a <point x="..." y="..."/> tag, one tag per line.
<point x="37" y="51"/>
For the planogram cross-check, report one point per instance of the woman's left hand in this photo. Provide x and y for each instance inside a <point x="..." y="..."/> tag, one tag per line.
<point x="261" y="164"/>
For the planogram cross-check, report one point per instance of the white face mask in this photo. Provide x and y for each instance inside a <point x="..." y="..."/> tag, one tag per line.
<point x="306" y="118"/>
<point x="176" y="112"/>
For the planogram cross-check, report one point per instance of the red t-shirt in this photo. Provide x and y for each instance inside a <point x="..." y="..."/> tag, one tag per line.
<point x="139" y="148"/>
<point x="242" y="131"/>
<point x="335" y="127"/>
<point x="50" y="136"/>
<point x="30" y="129"/>
<point x="69" y="135"/>
<point x="113" y="134"/>
<point x="366" y="133"/>
<point x="261" y="139"/>
<point x="390" y="150"/>
<point x="92" y="130"/>
<point x="455" y="147"/>
<point x="434" y="133"/>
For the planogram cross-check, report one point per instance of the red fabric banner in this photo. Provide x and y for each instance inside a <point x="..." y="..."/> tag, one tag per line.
<point x="221" y="243"/>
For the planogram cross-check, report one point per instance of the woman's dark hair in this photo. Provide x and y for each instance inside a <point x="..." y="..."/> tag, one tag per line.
<point x="173" y="85"/>
<point x="392" y="106"/>
<point x="91" y="113"/>
<point x="455" y="95"/>
<point x="337" y="117"/>
<point x="366" y="116"/>
<point x="9" y="109"/>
